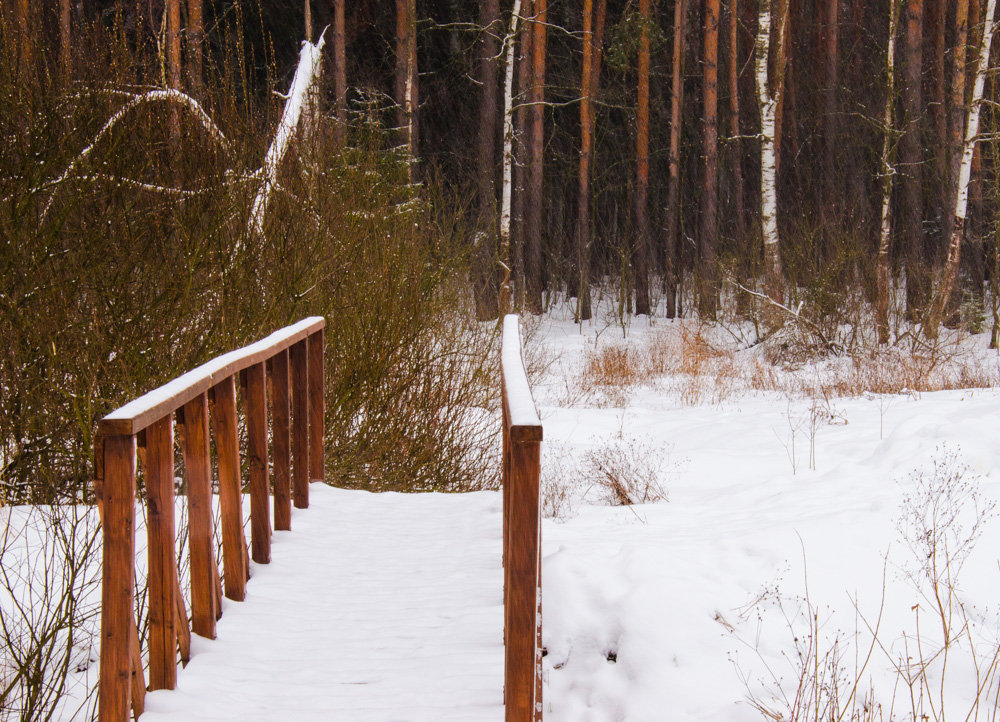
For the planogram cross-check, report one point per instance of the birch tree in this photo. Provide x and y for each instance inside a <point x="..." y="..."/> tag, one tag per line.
<point x="950" y="270"/>
<point x="507" y="182"/>
<point x="770" y="86"/>
<point x="885" y="228"/>
<point x="406" y="80"/>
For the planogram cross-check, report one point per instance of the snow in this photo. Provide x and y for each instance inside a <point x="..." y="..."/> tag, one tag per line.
<point x="521" y="406"/>
<point x="778" y="506"/>
<point x="208" y="373"/>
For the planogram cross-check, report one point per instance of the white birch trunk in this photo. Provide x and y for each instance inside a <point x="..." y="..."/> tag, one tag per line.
<point x="508" y="156"/>
<point x="768" y="101"/>
<point x="950" y="271"/>
<point x="306" y="76"/>
<point x="882" y="310"/>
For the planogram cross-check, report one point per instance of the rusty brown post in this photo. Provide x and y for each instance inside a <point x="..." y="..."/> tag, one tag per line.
<point x="300" y="424"/>
<point x="316" y="406"/>
<point x="260" y="500"/>
<point x="521" y="470"/>
<point x="118" y="577"/>
<point x="281" y="430"/>
<point x="230" y="492"/>
<point x="159" y="470"/>
<point x="197" y="463"/>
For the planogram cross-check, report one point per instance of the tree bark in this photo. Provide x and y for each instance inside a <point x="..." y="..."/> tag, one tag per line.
<point x="196" y="39"/>
<point x="339" y="72"/>
<point x="640" y="251"/>
<point x="832" y="195"/>
<point x="174" y="63"/>
<point x="486" y="281"/>
<point x="937" y="109"/>
<point x="507" y="187"/>
<point x="407" y="97"/>
<point x="736" y="145"/>
<point x="769" y="91"/>
<point x="584" y="311"/>
<point x="533" y="214"/>
<point x="956" y="120"/>
<point x="911" y="157"/>
<point x="65" y="38"/>
<point x="672" y="245"/>
<point x="950" y="270"/>
<point x="521" y="152"/>
<point x="883" y="262"/>
<point x="708" y="290"/>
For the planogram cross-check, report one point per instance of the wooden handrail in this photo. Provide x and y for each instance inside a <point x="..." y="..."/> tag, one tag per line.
<point x="288" y="367"/>
<point x="522" y="436"/>
<point x="136" y="415"/>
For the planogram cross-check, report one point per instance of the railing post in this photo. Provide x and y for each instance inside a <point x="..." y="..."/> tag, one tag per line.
<point x="317" y="411"/>
<point x="521" y="471"/>
<point x="234" y="545"/>
<point x="280" y="429"/>
<point x="198" y="465"/>
<point x="300" y="424"/>
<point x="260" y="505"/>
<point x="521" y="573"/>
<point x="118" y="577"/>
<point x="159" y="471"/>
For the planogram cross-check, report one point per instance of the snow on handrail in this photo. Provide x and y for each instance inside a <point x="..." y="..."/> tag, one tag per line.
<point x="520" y="405"/>
<point x="139" y="413"/>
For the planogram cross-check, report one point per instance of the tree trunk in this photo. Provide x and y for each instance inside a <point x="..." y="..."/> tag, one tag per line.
<point x="583" y="199"/>
<point x="832" y="196"/>
<point x="736" y="145"/>
<point x="708" y="225"/>
<point x="174" y="63"/>
<point x="507" y="187"/>
<point x="21" y="19"/>
<point x="486" y="282"/>
<point x="956" y="121"/>
<point x="196" y="39"/>
<point x="533" y="214"/>
<point x="406" y="81"/>
<point x="308" y="21"/>
<point x="911" y="157"/>
<point x="769" y="90"/>
<point x="339" y="72"/>
<point x="950" y="270"/>
<point x="883" y="275"/>
<point x="640" y="251"/>
<point x="65" y="38"/>
<point x="937" y="109"/>
<point x="521" y="155"/>
<point x="672" y="245"/>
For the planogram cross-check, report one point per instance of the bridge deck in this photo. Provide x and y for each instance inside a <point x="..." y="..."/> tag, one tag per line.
<point x="374" y="607"/>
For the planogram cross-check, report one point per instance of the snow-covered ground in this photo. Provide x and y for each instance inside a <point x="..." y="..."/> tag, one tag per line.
<point x="680" y="609"/>
<point x="782" y="521"/>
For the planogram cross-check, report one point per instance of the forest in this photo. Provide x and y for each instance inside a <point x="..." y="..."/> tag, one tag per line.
<point x="729" y="228"/>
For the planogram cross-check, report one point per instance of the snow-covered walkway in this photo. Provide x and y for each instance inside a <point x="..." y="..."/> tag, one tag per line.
<point x="374" y="607"/>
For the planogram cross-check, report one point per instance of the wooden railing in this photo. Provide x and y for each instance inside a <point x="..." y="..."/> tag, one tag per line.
<point x="288" y="367"/>
<point x="522" y="436"/>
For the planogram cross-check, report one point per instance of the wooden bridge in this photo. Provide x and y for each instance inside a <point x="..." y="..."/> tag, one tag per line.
<point x="281" y="382"/>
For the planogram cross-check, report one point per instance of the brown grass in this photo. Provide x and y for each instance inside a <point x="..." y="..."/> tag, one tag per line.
<point x="683" y="359"/>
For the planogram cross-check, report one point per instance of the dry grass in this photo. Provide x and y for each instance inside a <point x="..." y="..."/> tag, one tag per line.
<point x="627" y="471"/>
<point x="689" y="360"/>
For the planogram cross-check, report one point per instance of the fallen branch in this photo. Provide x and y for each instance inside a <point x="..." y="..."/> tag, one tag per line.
<point x="795" y="315"/>
<point x="306" y="76"/>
